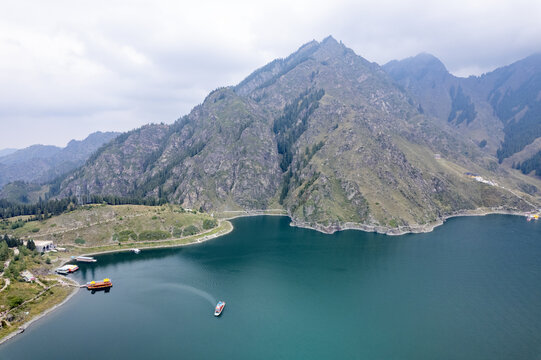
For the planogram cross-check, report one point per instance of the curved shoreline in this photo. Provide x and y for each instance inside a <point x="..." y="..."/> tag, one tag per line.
<point x="384" y="230"/>
<point x="25" y="325"/>
<point x="403" y="230"/>
<point x="196" y="241"/>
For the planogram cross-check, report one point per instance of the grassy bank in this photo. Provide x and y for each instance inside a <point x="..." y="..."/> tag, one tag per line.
<point x="99" y="225"/>
<point x="34" y="299"/>
<point x="223" y="228"/>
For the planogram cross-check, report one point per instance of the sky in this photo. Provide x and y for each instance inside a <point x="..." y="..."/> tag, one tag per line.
<point x="69" y="68"/>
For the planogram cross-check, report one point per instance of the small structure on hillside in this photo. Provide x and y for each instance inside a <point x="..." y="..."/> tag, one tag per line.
<point x="44" y="245"/>
<point x="28" y="276"/>
<point x="480" y="179"/>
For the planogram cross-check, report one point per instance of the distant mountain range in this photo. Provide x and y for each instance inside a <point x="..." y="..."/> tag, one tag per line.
<point x="42" y="163"/>
<point x="339" y="142"/>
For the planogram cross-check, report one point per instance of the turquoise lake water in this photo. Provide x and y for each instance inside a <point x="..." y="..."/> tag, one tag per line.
<point x="471" y="289"/>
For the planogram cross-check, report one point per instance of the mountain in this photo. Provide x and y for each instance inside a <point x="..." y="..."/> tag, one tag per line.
<point x="500" y="110"/>
<point x="42" y="163"/>
<point x="323" y="133"/>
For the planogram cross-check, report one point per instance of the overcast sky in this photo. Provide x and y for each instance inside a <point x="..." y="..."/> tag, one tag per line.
<point x="69" y="68"/>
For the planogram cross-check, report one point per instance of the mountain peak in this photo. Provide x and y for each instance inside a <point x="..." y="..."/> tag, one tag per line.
<point x="427" y="61"/>
<point x="330" y="44"/>
<point x="418" y="67"/>
<point x="329" y="40"/>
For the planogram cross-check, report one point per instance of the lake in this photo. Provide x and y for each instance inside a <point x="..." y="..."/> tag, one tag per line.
<point x="471" y="289"/>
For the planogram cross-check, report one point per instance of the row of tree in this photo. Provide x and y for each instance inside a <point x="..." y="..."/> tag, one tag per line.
<point x="45" y="209"/>
<point x="41" y="209"/>
<point x="7" y="242"/>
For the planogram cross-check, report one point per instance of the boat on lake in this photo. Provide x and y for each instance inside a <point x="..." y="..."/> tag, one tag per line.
<point x="531" y="217"/>
<point x="136" y="251"/>
<point x="219" y="308"/>
<point x="66" y="269"/>
<point x="85" y="259"/>
<point x="98" y="285"/>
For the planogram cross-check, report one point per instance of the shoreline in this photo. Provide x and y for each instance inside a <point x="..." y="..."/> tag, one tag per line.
<point x="256" y="213"/>
<point x="414" y="229"/>
<point x="404" y="230"/>
<point x="39" y="316"/>
<point x="148" y="247"/>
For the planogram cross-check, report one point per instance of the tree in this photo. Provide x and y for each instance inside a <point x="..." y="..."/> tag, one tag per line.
<point x="30" y="245"/>
<point x="14" y="301"/>
<point x="4" y="251"/>
<point x="190" y="230"/>
<point x="209" y="223"/>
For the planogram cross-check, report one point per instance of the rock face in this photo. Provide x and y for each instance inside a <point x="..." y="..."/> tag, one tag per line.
<point x="42" y="163"/>
<point x="323" y="133"/>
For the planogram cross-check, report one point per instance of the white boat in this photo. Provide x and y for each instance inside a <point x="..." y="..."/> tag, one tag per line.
<point x="66" y="269"/>
<point x="85" y="259"/>
<point x="137" y="251"/>
<point x="219" y="308"/>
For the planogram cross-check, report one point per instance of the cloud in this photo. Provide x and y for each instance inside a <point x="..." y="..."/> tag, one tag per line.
<point x="69" y="68"/>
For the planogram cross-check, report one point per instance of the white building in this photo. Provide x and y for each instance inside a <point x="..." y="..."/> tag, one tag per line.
<point x="44" y="245"/>
<point x="28" y="276"/>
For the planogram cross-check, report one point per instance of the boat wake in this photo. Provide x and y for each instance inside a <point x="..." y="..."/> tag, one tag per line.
<point x="193" y="290"/>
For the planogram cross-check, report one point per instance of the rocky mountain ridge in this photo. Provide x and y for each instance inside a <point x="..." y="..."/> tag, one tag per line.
<point x="323" y="133"/>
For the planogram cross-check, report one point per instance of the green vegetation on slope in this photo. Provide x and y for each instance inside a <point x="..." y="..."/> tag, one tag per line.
<point x="101" y="225"/>
<point x="16" y="293"/>
<point x="532" y="164"/>
<point x="294" y="121"/>
<point x="519" y="111"/>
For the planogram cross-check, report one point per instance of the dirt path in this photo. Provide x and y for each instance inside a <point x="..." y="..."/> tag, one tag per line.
<point x="62" y="282"/>
<point x="8" y="281"/>
<point x="6" y="284"/>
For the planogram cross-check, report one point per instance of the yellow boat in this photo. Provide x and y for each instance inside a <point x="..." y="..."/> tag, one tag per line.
<point x="105" y="284"/>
